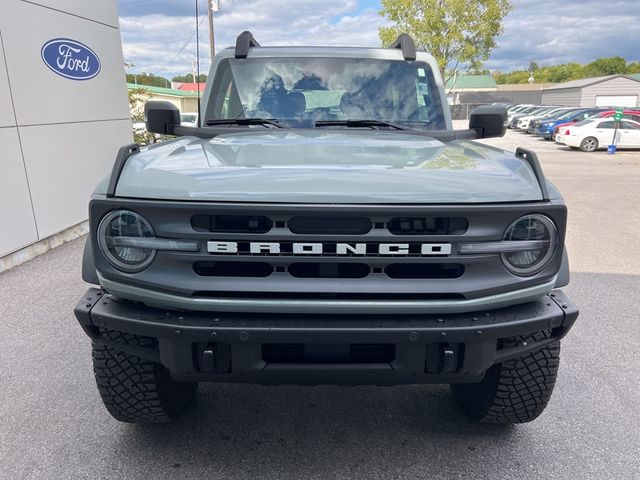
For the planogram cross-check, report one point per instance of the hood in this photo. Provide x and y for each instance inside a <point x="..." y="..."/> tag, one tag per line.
<point x="316" y="166"/>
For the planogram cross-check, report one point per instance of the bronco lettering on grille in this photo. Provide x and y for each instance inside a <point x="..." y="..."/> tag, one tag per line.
<point x="337" y="249"/>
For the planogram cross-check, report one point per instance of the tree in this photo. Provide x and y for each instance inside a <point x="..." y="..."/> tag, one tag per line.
<point x="188" y="78"/>
<point x="570" y="71"/>
<point x="148" y="79"/>
<point x="460" y="34"/>
<point x="633" y="67"/>
<point x="137" y="98"/>
<point x="606" y="66"/>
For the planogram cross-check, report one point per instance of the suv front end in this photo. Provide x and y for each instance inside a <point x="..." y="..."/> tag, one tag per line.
<point x="368" y="252"/>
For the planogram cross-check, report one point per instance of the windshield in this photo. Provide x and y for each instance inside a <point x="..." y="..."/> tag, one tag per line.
<point x="568" y="114"/>
<point x="583" y="122"/>
<point x="299" y="92"/>
<point x="188" y="118"/>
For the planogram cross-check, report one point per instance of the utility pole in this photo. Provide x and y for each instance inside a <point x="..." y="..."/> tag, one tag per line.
<point x="213" y="6"/>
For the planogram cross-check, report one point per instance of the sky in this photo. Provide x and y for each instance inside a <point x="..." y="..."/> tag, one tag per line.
<point x="158" y="35"/>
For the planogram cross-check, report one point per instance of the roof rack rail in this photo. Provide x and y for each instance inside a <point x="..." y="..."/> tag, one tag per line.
<point x="405" y="43"/>
<point x="244" y="42"/>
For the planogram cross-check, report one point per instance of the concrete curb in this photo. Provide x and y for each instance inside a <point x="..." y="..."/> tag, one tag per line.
<point x="32" y="251"/>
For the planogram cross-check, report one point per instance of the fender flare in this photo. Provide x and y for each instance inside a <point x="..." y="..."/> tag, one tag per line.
<point x="563" y="275"/>
<point x="89" y="272"/>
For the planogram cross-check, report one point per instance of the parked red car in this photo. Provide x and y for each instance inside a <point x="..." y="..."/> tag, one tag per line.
<point x="626" y="114"/>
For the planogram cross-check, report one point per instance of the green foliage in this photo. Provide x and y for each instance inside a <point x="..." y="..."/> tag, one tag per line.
<point x="137" y="98"/>
<point x="148" y="79"/>
<point x="569" y="71"/>
<point x="460" y="34"/>
<point x="188" y="78"/>
<point x="606" y="66"/>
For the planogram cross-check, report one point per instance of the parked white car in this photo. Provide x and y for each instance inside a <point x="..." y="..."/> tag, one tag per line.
<point x="189" y="119"/>
<point x="523" y="122"/>
<point x="597" y="133"/>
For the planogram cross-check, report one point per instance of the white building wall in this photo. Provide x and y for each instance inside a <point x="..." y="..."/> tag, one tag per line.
<point x="619" y="86"/>
<point x="58" y="136"/>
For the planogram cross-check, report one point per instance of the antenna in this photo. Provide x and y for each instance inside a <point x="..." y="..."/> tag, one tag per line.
<point x="197" y="80"/>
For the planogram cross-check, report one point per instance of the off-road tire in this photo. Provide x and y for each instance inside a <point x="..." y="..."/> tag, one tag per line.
<point x="515" y="391"/>
<point x="589" y="144"/>
<point x="135" y="390"/>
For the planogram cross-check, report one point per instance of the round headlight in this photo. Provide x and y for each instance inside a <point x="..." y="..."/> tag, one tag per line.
<point x="118" y="233"/>
<point x="541" y="237"/>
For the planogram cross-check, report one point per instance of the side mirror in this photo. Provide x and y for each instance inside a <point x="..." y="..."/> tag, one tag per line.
<point x="161" y="117"/>
<point x="489" y="121"/>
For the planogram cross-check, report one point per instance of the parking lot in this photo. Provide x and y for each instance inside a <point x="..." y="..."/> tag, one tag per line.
<point x="53" y="424"/>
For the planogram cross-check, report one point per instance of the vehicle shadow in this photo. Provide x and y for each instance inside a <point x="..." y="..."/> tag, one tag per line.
<point x="323" y="429"/>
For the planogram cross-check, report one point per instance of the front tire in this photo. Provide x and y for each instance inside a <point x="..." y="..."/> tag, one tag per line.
<point x="135" y="390"/>
<point x="515" y="391"/>
<point x="589" y="144"/>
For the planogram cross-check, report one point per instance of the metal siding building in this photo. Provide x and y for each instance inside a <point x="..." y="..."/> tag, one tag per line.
<point x="569" y="97"/>
<point x="616" y="87"/>
<point x="58" y="136"/>
<point x="611" y="90"/>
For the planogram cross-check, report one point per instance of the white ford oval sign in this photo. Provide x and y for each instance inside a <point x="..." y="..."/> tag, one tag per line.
<point x="70" y="59"/>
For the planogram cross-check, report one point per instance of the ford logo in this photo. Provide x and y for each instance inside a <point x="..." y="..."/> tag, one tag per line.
<point x="70" y="59"/>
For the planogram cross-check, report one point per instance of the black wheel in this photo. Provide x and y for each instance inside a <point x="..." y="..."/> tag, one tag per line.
<point x="515" y="391"/>
<point x="135" y="390"/>
<point x="589" y="144"/>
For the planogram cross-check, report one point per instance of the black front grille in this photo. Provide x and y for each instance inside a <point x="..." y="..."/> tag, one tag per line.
<point x="233" y="269"/>
<point x="231" y="223"/>
<point x="330" y="225"/>
<point x="424" y="270"/>
<point x="428" y="226"/>
<point x="350" y="236"/>
<point x="329" y="270"/>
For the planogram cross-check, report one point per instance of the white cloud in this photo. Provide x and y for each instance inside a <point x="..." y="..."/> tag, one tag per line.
<point x="152" y="41"/>
<point x="545" y="31"/>
<point x="551" y="32"/>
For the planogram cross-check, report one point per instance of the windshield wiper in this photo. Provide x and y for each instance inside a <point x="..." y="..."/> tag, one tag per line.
<point x="244" y="121"/>
<point x="359" y="123"/>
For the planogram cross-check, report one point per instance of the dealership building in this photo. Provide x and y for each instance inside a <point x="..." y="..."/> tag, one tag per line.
<point x="64" y="113"/>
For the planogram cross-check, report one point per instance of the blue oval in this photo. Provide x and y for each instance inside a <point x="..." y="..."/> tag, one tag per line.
<point x="70" y="59"/>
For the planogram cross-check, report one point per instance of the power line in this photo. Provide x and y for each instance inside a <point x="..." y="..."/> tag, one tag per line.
<point x="162" y="70"/>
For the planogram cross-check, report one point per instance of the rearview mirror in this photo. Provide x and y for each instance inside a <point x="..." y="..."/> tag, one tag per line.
<point x="161" y="117"/>
<point x="489" y="121"/>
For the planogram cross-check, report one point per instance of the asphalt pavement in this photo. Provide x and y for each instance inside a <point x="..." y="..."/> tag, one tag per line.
<point x="53" y="424"/>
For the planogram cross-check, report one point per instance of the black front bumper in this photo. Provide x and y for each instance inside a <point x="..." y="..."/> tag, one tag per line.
<point x="327" y="349"/>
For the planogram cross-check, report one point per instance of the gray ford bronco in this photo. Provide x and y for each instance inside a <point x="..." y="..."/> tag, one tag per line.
<point x="325" y="224"/>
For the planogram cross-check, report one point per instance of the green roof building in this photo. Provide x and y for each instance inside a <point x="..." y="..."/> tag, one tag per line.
<point x="472" y="83"/>
<point x="186" y="101"/>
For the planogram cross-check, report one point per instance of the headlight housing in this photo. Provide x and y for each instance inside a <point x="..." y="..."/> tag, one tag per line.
<point x="541" y="236"/>
<point x="119" y="235"/>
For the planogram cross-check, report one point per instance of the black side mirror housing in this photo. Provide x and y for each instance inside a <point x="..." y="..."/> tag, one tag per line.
<point x="161" y="117"/>
<point x="489" y="121"/>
